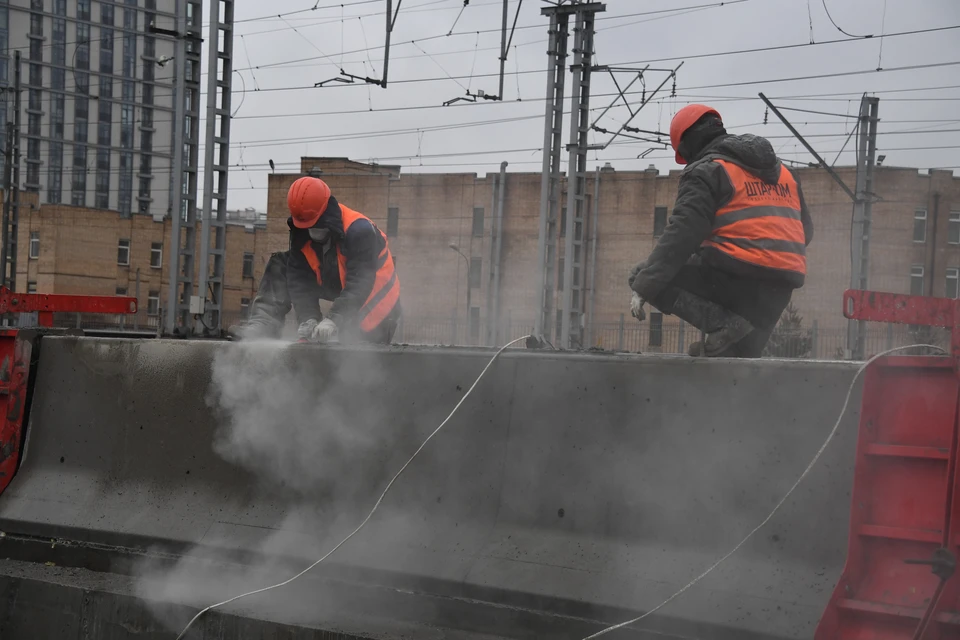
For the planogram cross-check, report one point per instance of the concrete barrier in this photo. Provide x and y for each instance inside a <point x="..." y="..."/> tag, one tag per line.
<point x="592" y="486"/>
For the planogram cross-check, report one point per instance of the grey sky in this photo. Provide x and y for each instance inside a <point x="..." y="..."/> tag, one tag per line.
<point x="271" y="124"/>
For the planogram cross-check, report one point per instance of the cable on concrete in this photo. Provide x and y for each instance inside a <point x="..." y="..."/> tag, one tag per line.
<point x="786" y="496"/>
<point x="375" y="506"/>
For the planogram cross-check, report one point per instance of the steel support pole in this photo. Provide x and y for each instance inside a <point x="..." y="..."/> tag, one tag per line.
<point x="215" y="168"/>
<point x="549" y="184"/>
<point x="571" y="324"/>
<point x="497" y="245"/>
<point x="7" y="201"/>
<point x="867" y="199"/>
<point x="594" y="213"/>
<point x="860" y="232"/>
<point x="176" y="195"/>
<point x="15" y="215"/>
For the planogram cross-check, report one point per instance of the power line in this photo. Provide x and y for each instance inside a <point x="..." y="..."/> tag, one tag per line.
<point x="838" y="26"/>
<point x="316" y="7"/>
<point x="518" y="28"/>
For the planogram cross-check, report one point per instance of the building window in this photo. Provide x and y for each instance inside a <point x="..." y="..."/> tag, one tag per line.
<point x="953" y="228"/>
<point x="125" y="197"/>
<point x="83" y="9"/>
<point x="478" y="222"/>
<point x="123" y="253"/>
<point x="656" y="329"/>
<point x="244" y="307"/>
<point x="156" y="254"/>
<point x="920" y="225"/>
<point x="34" y="245"/>
<point x="102" y="197"/>
<point x="31" y="287"/>
<point x="474" y="324"/>
<point x="476" y="265"/>
<point x="120" y="291"/>
<point x="247" y="264"/>
<point x="79" y="184"/>
<point x="659" y="221"/>
<point x="153" y="303"/>
<point x="953" y="283"/>
<point x="393" y="221"/>
<point x="916" y="280"/>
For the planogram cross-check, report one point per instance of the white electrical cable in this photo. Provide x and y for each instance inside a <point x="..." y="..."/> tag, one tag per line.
<point x="375" y="506"/>
<point x="786" y="496"/>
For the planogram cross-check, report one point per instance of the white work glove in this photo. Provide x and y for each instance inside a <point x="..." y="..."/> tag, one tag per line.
<point x="636" y="307"/>
<point x="305" y="330"/>
<point x="326" y="331"/>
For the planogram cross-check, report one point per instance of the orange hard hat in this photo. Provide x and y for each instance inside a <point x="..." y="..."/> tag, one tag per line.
<point x="307" y="200"/>
<point x="686" y="118"/>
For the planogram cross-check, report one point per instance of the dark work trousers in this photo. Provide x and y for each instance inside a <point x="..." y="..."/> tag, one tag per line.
<point x="760" y="302"/>
<point x="272" y="304"/>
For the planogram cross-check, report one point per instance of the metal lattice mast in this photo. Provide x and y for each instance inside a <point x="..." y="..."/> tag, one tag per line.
<point x="550" y="181"/>
<point x="215" y="167"/>
<point x="571" y="323"/>
<point x="183" y="201"/>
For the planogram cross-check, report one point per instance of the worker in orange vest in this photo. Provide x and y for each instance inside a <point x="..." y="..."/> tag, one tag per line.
<point x="336" y="254"/>
<point x="734" y="248"/>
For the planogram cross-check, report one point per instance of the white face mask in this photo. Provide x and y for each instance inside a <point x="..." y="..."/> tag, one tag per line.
<point x="319" y="235"/>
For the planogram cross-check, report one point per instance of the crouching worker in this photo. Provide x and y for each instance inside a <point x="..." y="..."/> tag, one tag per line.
<point x="734" y="248"/>
<point x="336" y="254"/>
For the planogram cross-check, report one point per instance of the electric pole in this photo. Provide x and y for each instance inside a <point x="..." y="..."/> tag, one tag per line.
<point x="11" y="244"/>
<point x="183" y="196"/>
<point x="7" y="199"/>
<point x="546" y="324"/>
<point x="862" y="217"/>
<point x="216" y="162"/>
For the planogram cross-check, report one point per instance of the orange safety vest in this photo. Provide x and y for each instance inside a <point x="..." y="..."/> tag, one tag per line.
<point x="761" y="224"/>
<point x="386" y="286"/>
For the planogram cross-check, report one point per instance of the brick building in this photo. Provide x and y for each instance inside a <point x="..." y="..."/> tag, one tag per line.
<point x="915" y="246"/>
<point x="915" y="249"/>
<point x="67" y="249"/>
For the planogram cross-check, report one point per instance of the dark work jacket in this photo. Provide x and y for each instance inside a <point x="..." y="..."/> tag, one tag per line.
<point x="705" y="189"/>
<point x="361" y="247"/>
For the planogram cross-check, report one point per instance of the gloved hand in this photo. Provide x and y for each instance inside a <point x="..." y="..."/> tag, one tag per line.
<point x="636" y="307"/>
<point x="640" y="266"/>
<point x="326" y="331"/>
<point x="305" y="330"/>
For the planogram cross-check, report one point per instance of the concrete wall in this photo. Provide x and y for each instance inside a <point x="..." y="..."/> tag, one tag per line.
<point x="588" y="486"/>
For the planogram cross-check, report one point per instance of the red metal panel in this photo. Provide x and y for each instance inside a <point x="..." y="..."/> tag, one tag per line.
<point x="16" y="348"/>
<point x="11" y="302"/>
<point x="891" y="307"/>
<point x="898" y="581"/>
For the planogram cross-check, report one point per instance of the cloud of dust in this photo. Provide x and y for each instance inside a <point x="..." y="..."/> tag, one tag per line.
<point x="317" y="458"/>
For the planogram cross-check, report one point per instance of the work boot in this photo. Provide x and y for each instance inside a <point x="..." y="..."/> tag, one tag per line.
<point x="722" y="327"/>
<point x="253" y="330"/>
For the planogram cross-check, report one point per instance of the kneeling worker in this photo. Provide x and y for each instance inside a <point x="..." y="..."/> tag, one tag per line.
<point x="734" y="248"/>
<point x="335" y="254"/>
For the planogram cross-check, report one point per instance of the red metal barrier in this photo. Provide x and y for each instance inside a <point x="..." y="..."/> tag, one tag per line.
<point x="16" y="353"/>
<point x="898" y="581"/>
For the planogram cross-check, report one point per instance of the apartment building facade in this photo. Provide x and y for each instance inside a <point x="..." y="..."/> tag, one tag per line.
<point x="97" y="101"/>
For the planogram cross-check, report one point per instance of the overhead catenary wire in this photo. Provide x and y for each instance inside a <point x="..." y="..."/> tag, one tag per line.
<point x="376" y="505"/>
<point x="834" y="23"/>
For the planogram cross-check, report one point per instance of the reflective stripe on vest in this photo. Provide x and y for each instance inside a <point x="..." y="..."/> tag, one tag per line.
<point x="761" y="224"/>
<point x="386" y="286"/>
